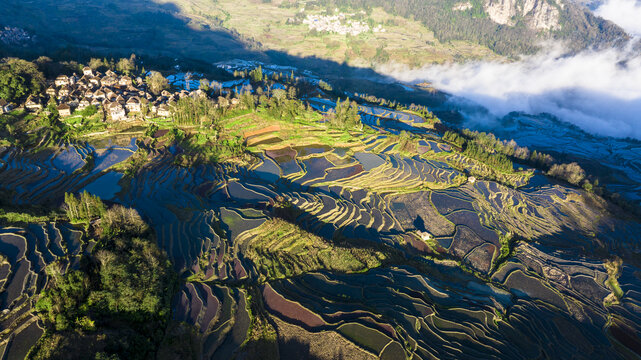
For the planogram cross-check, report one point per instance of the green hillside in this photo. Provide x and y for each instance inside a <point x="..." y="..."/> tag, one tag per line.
<point x="414" y="33"/>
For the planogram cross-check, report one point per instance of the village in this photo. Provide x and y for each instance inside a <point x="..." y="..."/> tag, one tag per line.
<point x="14" y="35"/>
<point x="339" y="24"/>
<point x="119" y="97"/>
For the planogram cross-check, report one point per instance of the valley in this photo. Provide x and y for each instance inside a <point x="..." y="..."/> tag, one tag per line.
<point x="362" y="224"/>
<point x="325" y="179"/>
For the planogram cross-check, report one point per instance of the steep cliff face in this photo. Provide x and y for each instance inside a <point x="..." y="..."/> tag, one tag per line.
<point x="537" y="14"/>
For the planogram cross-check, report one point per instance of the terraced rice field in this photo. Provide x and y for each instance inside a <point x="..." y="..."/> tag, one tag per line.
<point x="341" y="237"/>
<point x="44" y="177"/>
<point x="25" y="254"/>
<point x="433" y="308"/>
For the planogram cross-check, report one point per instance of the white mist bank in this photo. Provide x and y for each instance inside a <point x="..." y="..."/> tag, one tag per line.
<point x="625" y="13"/>
<point x="599" y="91"/>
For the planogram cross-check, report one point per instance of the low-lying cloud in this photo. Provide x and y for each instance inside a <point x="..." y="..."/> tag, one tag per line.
<point x="599" y="91"/>
<point x="625" y="13"/>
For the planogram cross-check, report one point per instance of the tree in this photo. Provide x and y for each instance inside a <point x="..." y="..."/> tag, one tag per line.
<point x="572" y="173"/>
<point x="345" y="115"/>
<point x="156" y="82"/>
<point x="19" y="78"/>
<point x="96" y="64"/>
<point x="125" y="66"/>
<point x="204" y="85"/>
<point x="12" y="86"/>
<point x="256" y="75"/>
<point x="188" y="76"/>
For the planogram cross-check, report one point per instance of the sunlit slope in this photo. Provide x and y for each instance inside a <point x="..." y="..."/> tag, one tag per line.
<point x="211" y="31"/>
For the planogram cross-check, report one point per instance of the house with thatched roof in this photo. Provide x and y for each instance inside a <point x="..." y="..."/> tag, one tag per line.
<point x="163" y="110"/>
<point x="5" y="106"/>
<point x="133" y="104"/>
<point x="64" y="109"/>
<point x="51" y="91"/>
<point x="84" y="80"/>
<point x="125" y="81"/>
<point x="73" y="101"/>
<point x="99" y="94"/>
<point x="64" y="91"/>
<point x="116" y="111"/>
<point x="95" y="81"/>
<point x="83" y="104"/>
<point x="33" y="103"/>
<point x="109" y="81"/>
<point x="61" y="80"/>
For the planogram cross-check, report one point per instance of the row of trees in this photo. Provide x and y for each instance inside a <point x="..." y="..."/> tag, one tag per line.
<point x="192" y="111"/>
<point x="510" y="148"/>
<point x="83" y="208"/>
<point x="496" y="160"/>
<point x="487" y="148"/>
<point x="479" y="149"/>
<point x="125" y="66"/>
<point x="572" y="173"/>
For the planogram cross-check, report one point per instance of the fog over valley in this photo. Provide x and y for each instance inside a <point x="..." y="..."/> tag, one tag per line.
<point x="625" y="13"/>
<point x="599" y="91"/>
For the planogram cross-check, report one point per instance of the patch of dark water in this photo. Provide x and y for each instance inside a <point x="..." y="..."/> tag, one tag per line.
<point x="106" y="187"/>
<point x="268" y="170"/>
<point x="369" y="160"/>
<point x="312" y="149"/>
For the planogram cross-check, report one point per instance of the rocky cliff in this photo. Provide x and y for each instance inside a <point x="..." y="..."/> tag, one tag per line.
<point x="537" y="14"/>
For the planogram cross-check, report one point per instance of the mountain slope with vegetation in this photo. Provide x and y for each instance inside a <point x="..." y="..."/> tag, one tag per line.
<point x="412" y="32"/>
<point x="508" y="27"/>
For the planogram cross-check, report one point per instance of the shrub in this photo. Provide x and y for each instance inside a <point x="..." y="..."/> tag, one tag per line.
<point x="84" y="207"/>
<point x="325" y="86"/>
<point x="156" y="82"/>
<point x="256" y="75"/>
<point x="89" y="111"/>
<point x="345" y="115"/>
<point x="572" y="173"/>
<point x="119" y="219"/>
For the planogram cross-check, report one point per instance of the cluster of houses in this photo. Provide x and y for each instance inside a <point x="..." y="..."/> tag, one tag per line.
<point x="339" y="24"/>
<point x="119" y="96"/>
<point x="13" y="35"/>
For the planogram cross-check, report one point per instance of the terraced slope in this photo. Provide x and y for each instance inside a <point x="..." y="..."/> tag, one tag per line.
<point x="225" y="223"/>
<point x="335" y="242"/>
<point x="44" y="176"/>
<point x="25" y="254"/>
